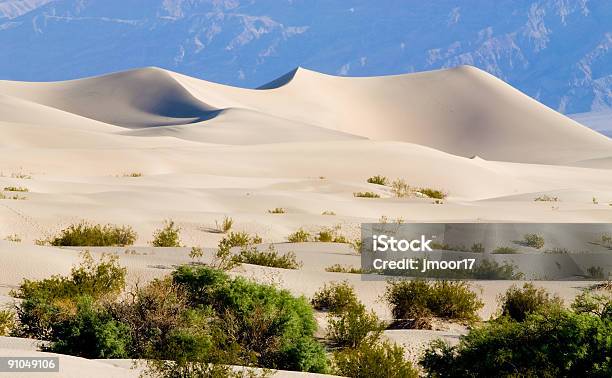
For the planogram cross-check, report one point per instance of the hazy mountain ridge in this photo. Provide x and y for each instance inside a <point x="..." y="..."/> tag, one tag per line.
<point x="557" y="51"/>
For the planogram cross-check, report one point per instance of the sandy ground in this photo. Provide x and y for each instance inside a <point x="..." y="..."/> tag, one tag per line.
<point x="204" y="151"/>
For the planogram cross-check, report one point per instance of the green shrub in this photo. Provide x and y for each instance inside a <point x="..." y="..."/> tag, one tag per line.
<point x="133" y="174"/>
<point x="433" y="193"/>
<point x="378" y="180"/>
<point x="47" y="301"/>
<point x="366" y="195"/>
<point x="7" y="322"/>
<point x="271" y="258"/>
<point x="328" y="212"/>
<point x="517" y="303"/>
<point x="16" y="189"/>
<point x="335" y="297"/>
<point x="330" y="235"/>
<point x="593" y="303"/>
<point x="533" y="240"/>
<point x="353" y="325"/>
<point x="300" y="236"/>
<point x="223" y="257"/>
<point x="492" y="270"/>
<point x="505" y="251"/>
<point x="84" y="234"/>
<point x="266" y="326"/>
<point x="418" y="300"/>
<point x="596" y="272"/>
<point x="373" y="359"/>
<point x="337" y="268"/>
<point x="546" y="198"/>
<point x="477" y="248"/>
<point x="557" y="344"/>
<point x="196" y="253"/>
<point x="90" y="333"/>
<point x="14" y="238"/>
<point x="168" y="236"/>
<point x="278" y="210"/>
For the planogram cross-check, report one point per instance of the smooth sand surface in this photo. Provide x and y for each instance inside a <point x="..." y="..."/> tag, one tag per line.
<point x="305" y="144"/>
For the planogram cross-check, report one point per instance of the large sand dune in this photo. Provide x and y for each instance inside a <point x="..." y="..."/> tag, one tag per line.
<point x="305" y="143"/>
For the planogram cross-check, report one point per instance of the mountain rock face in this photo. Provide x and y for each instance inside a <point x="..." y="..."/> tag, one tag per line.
<point x="557" y="51"/>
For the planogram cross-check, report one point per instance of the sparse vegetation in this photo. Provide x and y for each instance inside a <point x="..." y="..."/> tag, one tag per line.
<point x="353" y="326"/>
<point x="378" y="180"/>
<point x="373" y="359"/>
<point x="596" y="272"/>
<point x="14" y="238"/>
<point x="168" y="236"/>
<point x="518" y="303"/>
<point x="413" y="303"/>
<point x="328" y="212"/>
<point x="300" y="236"/>
<point x="492" y="270"/>
<point x="196" y="253"/>
<point x="400" y="188"/>
<point x="13" y="197"/>
<point x="133" y="174"/>
<point x="546" y="198"/>
<point x="433" y="193"/>
<point x="337" y="268"/>
<point x="93" y="235"/>
<point x="595" y="201"/>
<point x="225" y="225"/>
<point x="533" y="240"/>
<point x="278" y="210"/>
<point x="7" y="322"/>
<point x="505" y="251"/>
<point x="16" y="189"/>
<point x="330" y="235"/>
<point x="477" y="248"/>
<point x="252" y="255"/>
<point x="366" y="195"/>
<point x="335" y="297"/>
<point x="223" y="257"/>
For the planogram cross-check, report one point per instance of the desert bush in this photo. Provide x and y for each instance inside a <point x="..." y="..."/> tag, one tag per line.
<point x="199" y="369"/>
<point x="223" y="256"/>
<point x="300" y="236"/>
<point x="492" y="270"/>
<point x="335" y="297"/>
<point x="596" y="272"/>
<point x="505" y="251"/>
<point x="557" y="251"/>
<point x="278" y="210"/>
<point x="267" y="326"/>
<point x="373" y="359"/>
<point x="517" y="303"/>
<point x="433" y="193"/>
<point x="90" y="333"/>
<point x="168" y="236"/>
<point x="16" y="189"/>
<point x="84" y="234"/>
<point x="225" y="225"/>
<point x="337" y="268"/>
<point x="330" y="235"/>
<point x="46" y="301"/>
<point x="598" y="304"/>
<point x="546" y="198"/>
<point x="328" y="212"/>
<point x="353" y="325"/>
<point x="366" y="195"/>
<point x="270" y="257"/>
<point x="557" y="344"/>
<point x="419" y="300"/>
<point x="477" y="248"/>
<point x="7" y="322"/>
<point x="533" y="240"/>
<point x="133" y="174"/>
<point x="196" y="253"/>
<point x="13" y="238"/>
<point x="400" y="188"/>
<point x="378" y="180"/>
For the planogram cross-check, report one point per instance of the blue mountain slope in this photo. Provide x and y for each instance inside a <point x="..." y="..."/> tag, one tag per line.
<point x="557" y="51"/>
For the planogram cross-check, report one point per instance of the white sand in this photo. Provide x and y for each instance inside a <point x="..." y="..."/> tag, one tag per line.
<point x="207" y="150"/>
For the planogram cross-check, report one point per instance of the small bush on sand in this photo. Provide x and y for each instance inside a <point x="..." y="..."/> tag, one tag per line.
<point x="328" y="212"/>
<point x="378" y="180"/>
<point x="492" y="270"/>
<point x="7" y="322"/>
<point x="352" y="326"/>
<point x="16" y="189"/>
<point x="373" y="359"/>
<point x="330" y="235"/>
<point x="517" y="303"/>
<point x="337" y="268"/>
<point x="14" y="238"/>
<point x="133" y="174"/>
<point x="477" y="248"/>
<point x="400" y="188"/>
<point x="278" y="210"/>
<point x="415" y="302"/>
<point x="335" y="297"/>
<point x="433" y="193"/>
<point x="533" y="240"/>
<point x="546" y="198"/>
<point x="46" y="301"/>
<point x="225" y="225"/>
<point x="223" y="257"/>
<point x="366" y="195"/>
<point x="505" y="251"/>
<point x="251" y="255"/>
<point x="300" y="236"/>
<point x="196" y="253"/>
<point x="168" y="236"/>
<point x="88" y="235"/>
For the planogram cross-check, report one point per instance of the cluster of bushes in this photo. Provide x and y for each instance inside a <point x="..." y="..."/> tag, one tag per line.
<point x="366" y="195"/>
<point x="337" y="268"/>
<point x="270" y="257"/>
<point x="324" y="235"/>
<point x="401" y="189"/>
<point x="197" y="316"/>
<point x="415" y="303"/>
<point x="534" y="337"/>
<point x="355" y="336"/>
<point x="85" y="234"/>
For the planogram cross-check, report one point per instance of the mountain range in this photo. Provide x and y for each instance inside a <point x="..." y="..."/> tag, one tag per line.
<point x="556" y="51"/>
